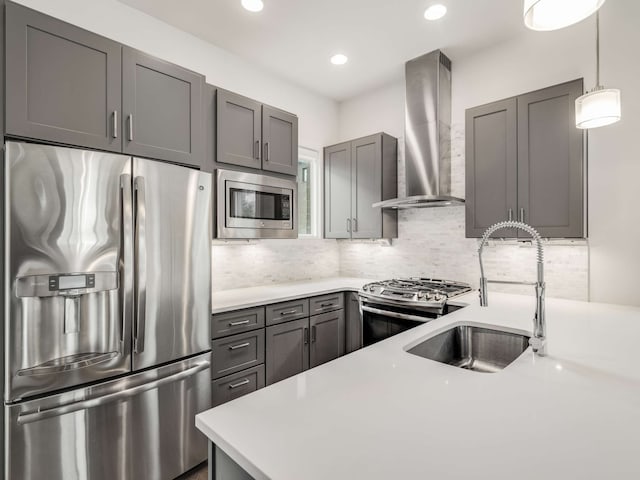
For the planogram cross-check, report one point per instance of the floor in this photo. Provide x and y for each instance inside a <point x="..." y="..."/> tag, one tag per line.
<point x="198" y="473"/>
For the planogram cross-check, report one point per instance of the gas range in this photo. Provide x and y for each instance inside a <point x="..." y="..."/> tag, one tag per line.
<point x="393" y="306"/>
<point x="423" y="294"/>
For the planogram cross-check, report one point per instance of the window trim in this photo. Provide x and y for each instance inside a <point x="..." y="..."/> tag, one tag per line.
<point x="313" y="157"/>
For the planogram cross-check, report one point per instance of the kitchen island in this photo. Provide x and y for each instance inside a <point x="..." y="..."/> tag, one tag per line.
<point x="382" y="413"/>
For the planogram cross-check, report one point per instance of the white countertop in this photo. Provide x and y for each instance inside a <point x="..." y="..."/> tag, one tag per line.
<point x="235" y="299"/>
<point x="382" y="413"/>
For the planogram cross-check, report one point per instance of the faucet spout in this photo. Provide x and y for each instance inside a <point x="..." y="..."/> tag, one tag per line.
<point x="538" y="341"/>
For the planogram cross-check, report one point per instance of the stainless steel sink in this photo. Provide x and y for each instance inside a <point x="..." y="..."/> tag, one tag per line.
<point x="473" y="348"/>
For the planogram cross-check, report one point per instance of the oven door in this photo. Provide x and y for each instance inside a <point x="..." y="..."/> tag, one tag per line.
<point x="256" y="206"/>
<point x="380" y="321"/>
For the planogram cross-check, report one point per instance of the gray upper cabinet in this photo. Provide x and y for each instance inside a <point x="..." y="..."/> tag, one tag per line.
<point x="280" y="141"/>
<point x="238" y="130"/>
<point x="337" y="191"/>
<point x="250" y="134"/>
<point x="366" y="184"/>
<point x="63" y="84"/>
<point x="356" y="175"/>
<point x="525" y="161"/>
<point x="287" y="350"/>
<point x="491" y="166"/>
<point x="327" y="337"/>
<point x="550" y="161"/>
<point x="161" y="105"/>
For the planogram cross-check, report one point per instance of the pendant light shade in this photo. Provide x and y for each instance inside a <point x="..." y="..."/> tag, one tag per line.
<point x="598" y="108"/>
<point x="555" y="14"/>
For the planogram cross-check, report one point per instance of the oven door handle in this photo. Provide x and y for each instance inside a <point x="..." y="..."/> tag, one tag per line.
<point x="402" y="316"/>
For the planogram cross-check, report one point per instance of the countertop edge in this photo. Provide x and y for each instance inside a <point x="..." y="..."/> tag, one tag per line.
<point x="271" y="294"/>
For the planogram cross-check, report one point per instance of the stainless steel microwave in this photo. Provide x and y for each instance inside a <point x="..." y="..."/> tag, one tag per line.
<point x="256" y="206"/>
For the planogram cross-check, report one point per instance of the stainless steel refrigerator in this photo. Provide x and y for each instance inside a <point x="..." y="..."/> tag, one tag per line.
<point x="107" y="305"/>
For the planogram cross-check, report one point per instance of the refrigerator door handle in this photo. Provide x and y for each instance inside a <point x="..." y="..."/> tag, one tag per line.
<point x="38" y="415"/>
<point x="141" y="264"/>
<point x="126" y="254"/>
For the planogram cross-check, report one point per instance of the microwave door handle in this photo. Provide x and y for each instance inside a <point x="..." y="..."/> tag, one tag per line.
<point x="141" y="265"/>
<point x="126" y="254"/>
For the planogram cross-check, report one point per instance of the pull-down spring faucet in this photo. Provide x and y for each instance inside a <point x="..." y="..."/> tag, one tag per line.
<point x="538" y="341"/>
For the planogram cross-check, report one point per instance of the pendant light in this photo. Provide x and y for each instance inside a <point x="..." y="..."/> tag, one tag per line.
<point x="555" y="14"/>
<point x="600" y="106"/>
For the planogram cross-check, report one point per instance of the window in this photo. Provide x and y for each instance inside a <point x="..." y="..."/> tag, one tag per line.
<point x="308" y="192"/>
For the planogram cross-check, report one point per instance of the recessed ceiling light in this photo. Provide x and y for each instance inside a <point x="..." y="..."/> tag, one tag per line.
<point x="253" y="5"/>
<point x="339" y="59"/>
<point x="435" y="12"/>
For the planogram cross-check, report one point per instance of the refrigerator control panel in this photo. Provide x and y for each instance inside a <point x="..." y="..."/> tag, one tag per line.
<point x="66" y="282"/>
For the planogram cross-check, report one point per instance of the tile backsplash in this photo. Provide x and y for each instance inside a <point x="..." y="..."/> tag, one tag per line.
<point x="431" y="242"/>
<point x="239" y="264"/>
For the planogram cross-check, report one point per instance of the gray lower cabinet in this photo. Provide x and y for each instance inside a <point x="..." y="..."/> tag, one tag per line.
<point x="287" y="346"/>
<point x="356" y="175"/>
<point x="525" y="161"/>
<point x="327" y="337"/>
<point x="237" y="321"/>
<point x="250" y="134"/>
<point x="237" y="352"/>
<point x="63" y="83"/>
<point x="236" y="385"/>
<point x="353" y="323"/>
<point x="162" y="109"/>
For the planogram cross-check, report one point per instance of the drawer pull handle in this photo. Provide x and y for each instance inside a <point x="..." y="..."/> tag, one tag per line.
<point x="235" y="324"/>
<point x="326" y="305"/>
<point x="239" y="384"/>
<point x="289" y="312"/>
<point x="241" y="345"/>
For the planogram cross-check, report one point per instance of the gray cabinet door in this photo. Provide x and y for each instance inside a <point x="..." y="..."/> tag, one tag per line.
<point x="327" y="337"/>
<point x="353" y="324"/>
<point x="63" y="84"/>
<point x="162" y="108"/>
<point x="287" y="350"/>
<point x="236" y="385"/>
<point x="491" y="167"/>
<point x="366" y="187"/>
<point x="550" y="161"/>
<point x="337" y="191"/>
<point x="280" y="141"/>
<point x="238" y="130"/>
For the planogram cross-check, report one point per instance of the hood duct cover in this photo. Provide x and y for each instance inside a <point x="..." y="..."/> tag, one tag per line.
<point x="427" y="134"/>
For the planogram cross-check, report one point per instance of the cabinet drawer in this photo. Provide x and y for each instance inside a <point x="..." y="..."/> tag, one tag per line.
<point x="236" y="385"/>
<point x="232" y="354"/>
<point x="326" y="303"/>
<point x="229" y="323"/>
<point x="285" y="311"/>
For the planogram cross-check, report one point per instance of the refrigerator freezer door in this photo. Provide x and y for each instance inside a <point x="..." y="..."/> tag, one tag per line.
<point x="172" y="244"/>
<point x="68" y="236"/>
<point x="138" y="427"/>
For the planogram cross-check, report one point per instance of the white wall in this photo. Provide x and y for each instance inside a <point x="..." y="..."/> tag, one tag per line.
<point x="536" y="60"/>
<point x="234" y="264"/>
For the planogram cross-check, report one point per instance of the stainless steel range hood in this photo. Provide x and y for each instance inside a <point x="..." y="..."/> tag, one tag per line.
<point x="427" y="137"/>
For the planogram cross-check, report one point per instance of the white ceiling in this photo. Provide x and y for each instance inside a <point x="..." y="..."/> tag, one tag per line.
<point x="295" y="38"/>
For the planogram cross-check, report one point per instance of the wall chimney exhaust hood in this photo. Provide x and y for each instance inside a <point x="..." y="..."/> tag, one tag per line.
<point x="427" y="134"/>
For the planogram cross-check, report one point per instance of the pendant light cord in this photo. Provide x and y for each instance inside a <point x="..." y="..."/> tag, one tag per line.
<point x="598" y="49"/>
